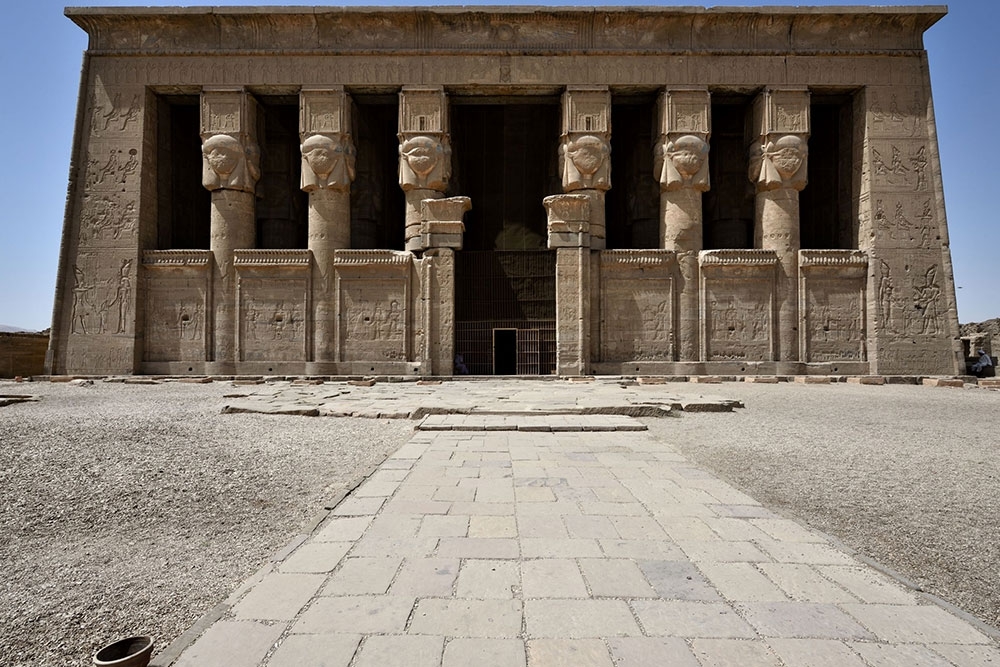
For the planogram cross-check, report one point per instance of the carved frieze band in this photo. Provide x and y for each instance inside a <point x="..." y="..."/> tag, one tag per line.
<point x="752" y="258"/>
<point x="193" y="258"/>
<point x="275" y="258"/>
<point x="638" y="259"/>
<point x="833" y="258"/>
<point x="376" y="258"/>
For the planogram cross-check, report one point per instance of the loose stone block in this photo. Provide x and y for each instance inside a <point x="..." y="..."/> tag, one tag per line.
<point x="943" y="382"/>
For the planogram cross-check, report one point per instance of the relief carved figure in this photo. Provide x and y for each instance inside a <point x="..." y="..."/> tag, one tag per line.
<point x="229" y="164"/>
<point x="327" y="162"/>
<point x="926" y="298"/>
<point x="585" y="163"/>
<point x="780" y="163"/>
<point x="424" y="163"/>
<point x="683" y="162"/>
<point x="81" y="302"/>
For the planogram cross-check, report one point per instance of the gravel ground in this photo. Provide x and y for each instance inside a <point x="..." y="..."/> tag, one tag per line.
<point x="132" y="509"/>
<point x="906" y="475"/>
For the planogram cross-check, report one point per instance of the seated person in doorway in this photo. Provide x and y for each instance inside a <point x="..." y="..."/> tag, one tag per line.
<point x="984" y="362"/>
<point x="460" y="367"/>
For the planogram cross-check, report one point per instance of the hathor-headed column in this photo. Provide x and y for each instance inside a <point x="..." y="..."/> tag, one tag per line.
<point x="778" y="170"/>
<point x="585" y="152"/>
<point x="327" y="173"/>
<point x="231" y="168"/>
<point x="681" y="167"/>
<point x="424" y="152"/>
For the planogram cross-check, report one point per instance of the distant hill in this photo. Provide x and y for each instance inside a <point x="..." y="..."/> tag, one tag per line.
<point x="989" y="326"/>
<point x="9" y="329"/>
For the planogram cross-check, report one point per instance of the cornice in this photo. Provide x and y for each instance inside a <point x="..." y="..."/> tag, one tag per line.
<point x="525" y="30"/>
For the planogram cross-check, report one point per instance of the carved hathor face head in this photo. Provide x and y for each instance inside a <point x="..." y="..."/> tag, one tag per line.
<point x="688" y="154"/>
<point x="422" y="154"/>
<point x="787" y="154"/>
<point x="223" y="153"/>
<point x="587" y="153"/>
<point x="322" y="153"/>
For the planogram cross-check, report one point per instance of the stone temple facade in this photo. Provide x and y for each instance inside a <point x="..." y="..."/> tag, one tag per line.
<point x="648" y="190"/>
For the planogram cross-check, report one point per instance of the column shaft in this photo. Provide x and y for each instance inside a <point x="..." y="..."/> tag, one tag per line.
<point x="233" y="227"/>
<point x="777" y="212"/>
<point x="681" y="231"/>
<point x="329" y="230"/>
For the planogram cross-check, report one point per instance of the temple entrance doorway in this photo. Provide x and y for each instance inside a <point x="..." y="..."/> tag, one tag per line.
<point x="505" y="158"/>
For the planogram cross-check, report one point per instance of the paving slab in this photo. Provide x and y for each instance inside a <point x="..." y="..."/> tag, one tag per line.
<point x="583" y="548"/>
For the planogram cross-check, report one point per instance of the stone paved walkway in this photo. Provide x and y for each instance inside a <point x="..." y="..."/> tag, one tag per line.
<point x="410" y="400"/>
<point x="514" y="548"/>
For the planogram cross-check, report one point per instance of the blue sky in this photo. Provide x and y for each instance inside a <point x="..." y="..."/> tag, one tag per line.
<point x="41" y="53"/>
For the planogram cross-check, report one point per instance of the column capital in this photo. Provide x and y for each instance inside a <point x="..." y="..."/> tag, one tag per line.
<point x="779" y="152"/>
<point x="424" y="141"/>
<point x="568" y="220"/>
<point x="680" y="157"/>
<point x="441" y="223"/>
<point x="328" y="156"/>
<point x="231" y="156"/>
<point x="585" y="152"/>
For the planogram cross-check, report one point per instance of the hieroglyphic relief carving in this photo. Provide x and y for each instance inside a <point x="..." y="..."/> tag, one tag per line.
<point x="911" y="224"/>
<point x="913" y="314"/>
<point x="113" y="115"/>
<point x="739" y="320"/>
<point x="176" y="307"/>
<point x="637" y="305"/>
<point x="107" y="216"/>
<point x="373" y="313"/>
<point x="898" y="168"/>
<point x="114" y="171"/>
<point x="273" y="316"/>
<point x="895" y="119"/>
<point x="833" y="297"/>
<point x="927" y="300"/>
<point x="98" y="302"/>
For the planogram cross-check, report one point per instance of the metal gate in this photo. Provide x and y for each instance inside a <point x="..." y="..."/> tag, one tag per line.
<point x="506" y="290"/>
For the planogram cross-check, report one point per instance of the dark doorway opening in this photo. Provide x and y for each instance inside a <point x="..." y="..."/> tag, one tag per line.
<point x="505" y="351"/>
<point x="728" y="207"/>
<point x="505" y="158"/>
<point x="183" y="205"/>
<point x="378" y="205"/>
<point x="632" y="211"/>
<point x="825" y="219"/>
<point x="282" y="206"/>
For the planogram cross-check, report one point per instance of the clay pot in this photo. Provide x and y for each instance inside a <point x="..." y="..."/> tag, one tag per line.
<point x="131" y="652"/>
